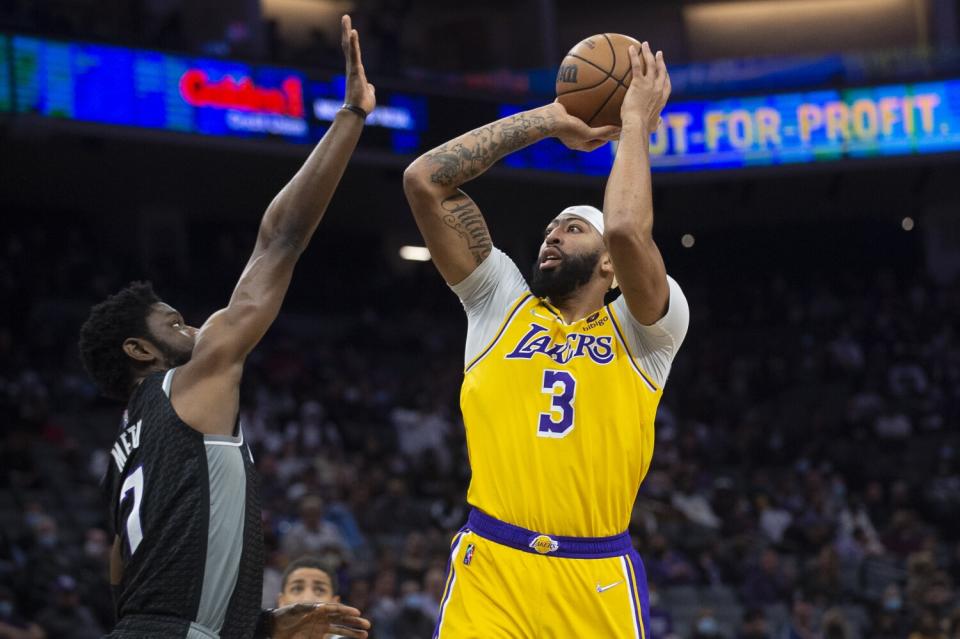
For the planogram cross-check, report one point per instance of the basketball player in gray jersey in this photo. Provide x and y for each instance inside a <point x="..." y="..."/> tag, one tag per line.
<point x="181" y="484"/>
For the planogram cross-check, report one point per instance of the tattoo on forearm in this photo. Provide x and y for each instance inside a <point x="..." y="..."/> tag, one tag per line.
<point x="463" y="216"/>
<point x="458" y="161"/>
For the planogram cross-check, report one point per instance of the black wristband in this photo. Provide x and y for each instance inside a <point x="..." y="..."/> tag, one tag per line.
<point x="264" y="625"/>
<point x="355" y="109"/>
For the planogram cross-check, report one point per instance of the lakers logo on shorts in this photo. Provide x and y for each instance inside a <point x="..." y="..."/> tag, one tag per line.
<point x="544" y="544"/>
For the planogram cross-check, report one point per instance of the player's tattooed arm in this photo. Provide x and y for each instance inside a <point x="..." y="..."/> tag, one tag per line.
<point x="469" y="155"/>
<point x="451" y="223"/>
<point x="462" y="215"/>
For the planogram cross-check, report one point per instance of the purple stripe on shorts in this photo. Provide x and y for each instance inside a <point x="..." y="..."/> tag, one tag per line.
<point x="450" y="577"/>
<point x="643" y="595"/>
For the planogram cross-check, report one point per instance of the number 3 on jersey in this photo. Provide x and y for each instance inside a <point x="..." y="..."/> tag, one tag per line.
<point x="133" y="484"/>
<point x="558" y="422"/>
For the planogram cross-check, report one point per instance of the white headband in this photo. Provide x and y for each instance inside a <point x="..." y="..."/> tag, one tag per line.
<point x="588" y="213"/>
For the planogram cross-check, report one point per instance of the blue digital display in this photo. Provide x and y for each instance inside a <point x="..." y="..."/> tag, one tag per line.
<point x="783" y="128"/>
<point x="116" y="85"/>
<point x="139" y="88"/>
<point x="6" y="101"/>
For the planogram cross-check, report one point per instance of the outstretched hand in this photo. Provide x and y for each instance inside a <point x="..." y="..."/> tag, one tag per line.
<point x="314" y="621"/>
<point x="577" y="135"/>
<point x="359" y="92"/>
<point x="649" y="88"/>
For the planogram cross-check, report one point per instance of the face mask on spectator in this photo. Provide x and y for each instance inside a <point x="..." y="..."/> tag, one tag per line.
<point x="707" y="626"/>
<point x="47" y="541"/>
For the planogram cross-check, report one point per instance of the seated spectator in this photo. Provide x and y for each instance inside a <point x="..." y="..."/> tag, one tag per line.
<point x="313" y="535"/>
<point x="66" y="617"/>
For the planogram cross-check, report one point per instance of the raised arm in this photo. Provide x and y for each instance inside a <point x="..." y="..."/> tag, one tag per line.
<point x="628" y="201"/>
<point x="205" y="388"/>
<point x="450" y="222"/>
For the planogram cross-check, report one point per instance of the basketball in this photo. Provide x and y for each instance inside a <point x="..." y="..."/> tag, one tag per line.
<point x="594" y="76"/>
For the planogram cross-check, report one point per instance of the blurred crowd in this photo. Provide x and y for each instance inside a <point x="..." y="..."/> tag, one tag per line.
<point x="805" y="483"/>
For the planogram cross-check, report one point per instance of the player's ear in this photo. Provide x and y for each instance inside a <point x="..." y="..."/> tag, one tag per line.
<point x="606" y="264"/>
<point x="140" y="350"/>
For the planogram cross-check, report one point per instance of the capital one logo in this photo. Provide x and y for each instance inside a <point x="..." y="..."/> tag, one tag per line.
<point x="243" y="95"/>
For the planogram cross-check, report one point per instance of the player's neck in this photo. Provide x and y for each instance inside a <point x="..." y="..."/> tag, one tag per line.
<point x="579" y="305"/>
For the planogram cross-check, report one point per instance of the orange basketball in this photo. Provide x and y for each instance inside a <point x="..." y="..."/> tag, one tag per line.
<point x="594" y="77"/>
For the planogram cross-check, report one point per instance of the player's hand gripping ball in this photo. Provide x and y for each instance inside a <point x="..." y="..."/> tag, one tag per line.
<point x="594" y="76"/>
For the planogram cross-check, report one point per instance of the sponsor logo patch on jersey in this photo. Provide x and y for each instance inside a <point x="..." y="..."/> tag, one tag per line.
<point x="544" y="544"/>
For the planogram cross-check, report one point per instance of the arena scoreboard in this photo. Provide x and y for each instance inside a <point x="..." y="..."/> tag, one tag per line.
<point x="216" y="97"/>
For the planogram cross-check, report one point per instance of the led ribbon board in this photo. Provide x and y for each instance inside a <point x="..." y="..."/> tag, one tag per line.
<point x="787" y="128"/>
<point x="131" y="87"/>
<point x="6" y="102"/>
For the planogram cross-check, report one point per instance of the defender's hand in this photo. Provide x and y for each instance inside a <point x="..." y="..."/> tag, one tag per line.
<point x="313" y="621"/>
<point x="576" y="135"/>
<point x="649" y="89"/>
<point x="359" y="92"/>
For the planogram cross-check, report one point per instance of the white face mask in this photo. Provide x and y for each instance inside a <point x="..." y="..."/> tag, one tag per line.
<point x="707" y="626"/>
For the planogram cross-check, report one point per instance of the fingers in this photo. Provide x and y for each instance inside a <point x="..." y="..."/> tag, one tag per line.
<point x="661" y="76"/>
<point x="649" y="60"/>
<point x="635" y="62"/>
<point x="355" y="48"/>
<point x="603" y="133"/>
<point x="345" y="29"/>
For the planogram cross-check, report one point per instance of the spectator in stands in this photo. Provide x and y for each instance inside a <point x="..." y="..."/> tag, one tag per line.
<point x="765" y="583"/>
<point x="12" y="625"/>
<point x="802" y="623"/>
<point x="754" y="625"/>
<point x="66" y="617"/>
<point x="706" y="626"/>
<point x="312" y="535"/>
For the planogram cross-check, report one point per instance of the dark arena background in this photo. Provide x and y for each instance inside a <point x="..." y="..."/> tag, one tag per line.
<point x="806" y="476"/>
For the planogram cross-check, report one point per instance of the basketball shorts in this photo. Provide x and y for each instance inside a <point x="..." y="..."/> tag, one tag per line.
<point x="504" y="581"/>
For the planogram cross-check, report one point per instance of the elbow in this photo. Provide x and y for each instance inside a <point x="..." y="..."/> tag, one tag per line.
<point x="286" y="241"/>
<point x="416" y="182"/>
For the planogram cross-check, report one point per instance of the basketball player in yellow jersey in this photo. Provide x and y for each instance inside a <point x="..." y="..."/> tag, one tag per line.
<point x="560" y="391"/>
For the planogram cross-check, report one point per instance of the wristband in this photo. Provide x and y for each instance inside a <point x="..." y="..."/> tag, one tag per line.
<point x="355" y="109"/>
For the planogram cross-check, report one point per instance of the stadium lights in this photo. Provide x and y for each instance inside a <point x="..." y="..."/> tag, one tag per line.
<point x="688" y="240"/>
<point x="907" y="223"/>
<point x="415" y="253"/>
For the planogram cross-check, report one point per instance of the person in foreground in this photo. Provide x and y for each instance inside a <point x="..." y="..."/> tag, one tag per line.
<point x="181" y="484"/>
<point x="560" y="391"/>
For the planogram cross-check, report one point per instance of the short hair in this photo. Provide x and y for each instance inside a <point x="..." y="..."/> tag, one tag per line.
<point x="311" y="562"/>
<point x="110" y="323"/>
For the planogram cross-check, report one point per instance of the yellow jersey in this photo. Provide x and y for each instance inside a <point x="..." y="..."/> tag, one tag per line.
<point x="559" y="417"/>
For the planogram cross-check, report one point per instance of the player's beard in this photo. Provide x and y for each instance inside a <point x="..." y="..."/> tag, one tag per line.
<point x="559" y="283"/>
<point x="173" y="356"/>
